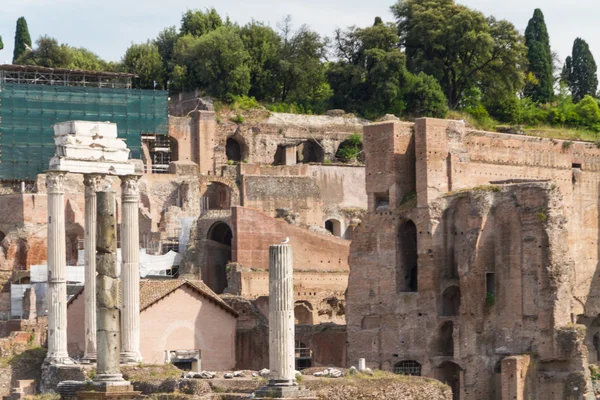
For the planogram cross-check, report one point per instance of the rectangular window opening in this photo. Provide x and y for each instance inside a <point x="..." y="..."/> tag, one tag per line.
<point x="490" y="283"/>
<point x="382" y="201"/>
<point x="576" y="165"/>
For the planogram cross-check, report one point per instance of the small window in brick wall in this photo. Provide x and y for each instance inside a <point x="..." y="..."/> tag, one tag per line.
<point x="382" y="201"/>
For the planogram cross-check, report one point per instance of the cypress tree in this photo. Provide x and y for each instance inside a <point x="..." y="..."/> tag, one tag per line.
<point x="22" y="39"/>
<point x="1" y="43"/>
<point x="583" y="79"/>
<point x="540" y="59"/>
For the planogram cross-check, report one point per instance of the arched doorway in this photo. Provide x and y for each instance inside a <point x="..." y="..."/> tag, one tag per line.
<point x="406" y="258"/>
<point x="451" y="301"/>
<point x="334" y="226"/>
<point x="449" y="373"/>
<point x="233" y="150"/>
<point x="407" y="367"/>
<point x="218" y="255"/>
<point x="302" y="314"/>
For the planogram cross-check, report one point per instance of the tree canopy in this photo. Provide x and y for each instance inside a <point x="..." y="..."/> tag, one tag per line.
<point x="145" y="61"/>
<point x="579" y="71"/>
<point x="539" y="56"/>
<point x="22" y="39"/>
<point x="49" y="53"/>
<point x="460" y="47"/>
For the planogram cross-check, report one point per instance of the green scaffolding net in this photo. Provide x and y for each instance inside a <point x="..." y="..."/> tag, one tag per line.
<point x="27" y="113"/>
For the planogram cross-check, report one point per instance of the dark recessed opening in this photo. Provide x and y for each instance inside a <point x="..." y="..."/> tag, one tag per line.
<point x="576" y="165"/>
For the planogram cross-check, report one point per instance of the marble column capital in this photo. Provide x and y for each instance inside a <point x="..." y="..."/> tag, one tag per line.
<point x="130" y="187"/>
<point x="55" y="182"/>
<point x="95" y="182"/>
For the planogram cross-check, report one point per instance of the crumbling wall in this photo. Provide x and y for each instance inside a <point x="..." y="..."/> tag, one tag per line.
<point x="512" y="282"/>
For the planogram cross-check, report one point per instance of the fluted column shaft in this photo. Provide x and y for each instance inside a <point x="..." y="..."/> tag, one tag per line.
<point x="130" y="274"/>
<point x="57" y="266"/>
<point x="93" y="183"/>
<point x="281" y="315"/>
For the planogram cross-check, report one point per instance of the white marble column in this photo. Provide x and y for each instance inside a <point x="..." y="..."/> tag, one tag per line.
<point x="57" y="266"/>
<point x="281" y="316"/>
<point x="130" y="274"/>
<point x="93" y="183"/>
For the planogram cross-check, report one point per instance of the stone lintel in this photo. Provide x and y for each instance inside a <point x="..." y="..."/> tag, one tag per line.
<point x="78" y="166"/>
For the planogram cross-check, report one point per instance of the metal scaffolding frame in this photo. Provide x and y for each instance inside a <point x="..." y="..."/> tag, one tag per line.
<point x="34" y="75"/>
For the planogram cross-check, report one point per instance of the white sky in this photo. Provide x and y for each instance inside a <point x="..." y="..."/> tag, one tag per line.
<point x="108" y="27"/>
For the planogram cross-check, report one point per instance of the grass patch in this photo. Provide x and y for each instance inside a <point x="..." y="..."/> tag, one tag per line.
<point x="564" y="133"/>
<point x="149" y="373"/>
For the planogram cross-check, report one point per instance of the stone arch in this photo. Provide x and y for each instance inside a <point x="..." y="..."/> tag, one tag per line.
<point x="218" y="196"/>
<point x="218" y="255"/>
<point x="310" y="152"/>
<point x="446" y="339"/>
<point x="207" y="190"/>
<point x="408" y="367"/>
<point x="303" y="314"/>
<point x="451" y="301"/>
<point x="236" y="148"/>
<point x="334" y="226"/>
<point x="406" y="258"/>
<point x="449" y="373"/>
<point x="347" y="151"/>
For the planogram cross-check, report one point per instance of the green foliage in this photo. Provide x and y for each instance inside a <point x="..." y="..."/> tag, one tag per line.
<point x="588" y="111"/>
<point x="49" y="53"/>
<point x="243" y="102"/>
<point x="218" y="62"/>
<point x="22" y="39"/>
<point x="541" y="216"/>
<point x="350" y="148"/>
<point x="198" y="22"/>
<point x="264" y="46"/>
<point x="539" y="56"/>
<point x="579" y="71"/>
<point x="460" y="47"/>
<point x="144" y="60"/>
<point x="425" y="97"/>
<point x="1" y="43"/>
<point x="238" y="119"/>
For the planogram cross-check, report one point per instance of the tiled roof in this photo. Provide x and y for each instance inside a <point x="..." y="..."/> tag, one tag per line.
<point x="151" y="291"/>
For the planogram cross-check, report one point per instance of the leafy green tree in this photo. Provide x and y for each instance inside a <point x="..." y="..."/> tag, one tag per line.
<point x="22" y="39"/>
<point x="540" y="59"/>
<point x="301" y="72"/>
<point x="460" y="47"/>
<point x="144" y="60"/>
<point x="370" y="76"/>
<point x="219" y="63"/>
<point x="49" y="53"/>
<point x="165" y="41"/>
<point x="263" y="45"/>
<point x="198" y="22"/>
<point x="579" y="71"/>
<point x="425" y="98"/>
<point x="1" y="43"/>
<point x="588" y="111"/>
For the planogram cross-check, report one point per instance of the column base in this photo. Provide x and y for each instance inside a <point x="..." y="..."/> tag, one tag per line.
<point x="89" y="358"/>
<point x="59" y="360"/>
<point x="283" y="392"/>
<point x="130" y="358"/>
<point x="109" y="390"/>
<point x="103" y="380"/>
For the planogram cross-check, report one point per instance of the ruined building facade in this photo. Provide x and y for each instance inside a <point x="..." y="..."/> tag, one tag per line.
<point x="477" y="261"/>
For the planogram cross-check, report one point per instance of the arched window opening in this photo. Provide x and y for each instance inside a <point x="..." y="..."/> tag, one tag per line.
<point x="350" y="150"/>
<point x="218" y="196"/>
<point x="451" y="301"/>
<point x="446" y="339"/>
<point x="449" y="373"/>
<point x="218" y="255"/>
<point x="406" y="258"/>
<point x="303" y="356"/>
<point x="310" y="152"/>
<point x="334" y="226"/>
<point x="302" y="315"/>
<point x="408" y="367"/>
<point x="233" y="150"/>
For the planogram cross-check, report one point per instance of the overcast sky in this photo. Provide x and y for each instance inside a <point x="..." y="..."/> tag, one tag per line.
<point x="108" y="27"/>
